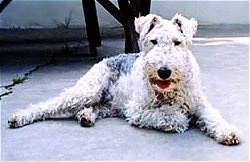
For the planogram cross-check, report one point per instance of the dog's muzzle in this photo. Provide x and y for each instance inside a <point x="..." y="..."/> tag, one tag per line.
<point x="164" y="75"/>
<point x="163" y="81"/>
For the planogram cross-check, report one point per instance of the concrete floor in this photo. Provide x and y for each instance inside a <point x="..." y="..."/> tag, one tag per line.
<point x="223" y="55"/>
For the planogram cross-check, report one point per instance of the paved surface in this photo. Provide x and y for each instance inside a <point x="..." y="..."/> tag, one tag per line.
<point x="223" y="56"/>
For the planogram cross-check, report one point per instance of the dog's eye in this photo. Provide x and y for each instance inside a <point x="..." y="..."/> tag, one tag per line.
<point x="177" y="43"/>
<point x="154" y="41"/>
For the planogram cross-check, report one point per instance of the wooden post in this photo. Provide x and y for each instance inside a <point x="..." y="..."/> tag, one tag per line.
<point x="143" y="7"/>
<point x="92" y="26"/>
<point x="131" y="44"/>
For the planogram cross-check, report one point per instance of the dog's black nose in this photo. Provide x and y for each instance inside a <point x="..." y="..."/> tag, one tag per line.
<point x="164" y="73"/>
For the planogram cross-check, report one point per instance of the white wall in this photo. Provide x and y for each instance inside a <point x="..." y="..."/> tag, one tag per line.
<point x="206" y="12"/>
<point x="50" y="13"/>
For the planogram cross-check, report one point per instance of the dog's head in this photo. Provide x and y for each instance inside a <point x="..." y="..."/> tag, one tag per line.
<point x="164" y="45"/>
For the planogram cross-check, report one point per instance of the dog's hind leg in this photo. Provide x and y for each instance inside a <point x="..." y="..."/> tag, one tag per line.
<point x="85" y="93"/>
<point x="53" y="108"/>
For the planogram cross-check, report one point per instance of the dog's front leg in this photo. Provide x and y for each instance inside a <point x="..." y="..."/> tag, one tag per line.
<point x="207" y="118"/>
<point x="214" y="125"/>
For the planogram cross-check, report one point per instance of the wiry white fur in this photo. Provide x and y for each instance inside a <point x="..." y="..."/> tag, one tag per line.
<point x="158" y="88"/>
<point x="187" y="27"/>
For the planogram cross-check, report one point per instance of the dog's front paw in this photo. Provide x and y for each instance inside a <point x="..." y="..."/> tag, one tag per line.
<point x="86" y="122"/>
<point x="86" y="117"/>
<point x="228" y="137"/>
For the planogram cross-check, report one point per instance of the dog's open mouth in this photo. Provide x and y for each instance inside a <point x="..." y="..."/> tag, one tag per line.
<point x="160" y="86"/>
<point x="163" y="84"/>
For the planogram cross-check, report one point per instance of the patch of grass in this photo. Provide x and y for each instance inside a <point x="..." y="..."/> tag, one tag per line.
<point x="66" y="23"/>
<point x="18" y="80"/>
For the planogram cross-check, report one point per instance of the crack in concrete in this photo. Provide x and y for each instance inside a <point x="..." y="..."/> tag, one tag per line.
<point x="9" y="87"/>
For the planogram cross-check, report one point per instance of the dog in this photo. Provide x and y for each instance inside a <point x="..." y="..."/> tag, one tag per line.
<point x="157" y="88"/>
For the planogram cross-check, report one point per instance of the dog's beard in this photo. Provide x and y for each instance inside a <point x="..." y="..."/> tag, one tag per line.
<point x="163" y="90"/>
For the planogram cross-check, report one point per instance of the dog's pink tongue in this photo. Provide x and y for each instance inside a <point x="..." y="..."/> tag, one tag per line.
<point x="163" y="84"/>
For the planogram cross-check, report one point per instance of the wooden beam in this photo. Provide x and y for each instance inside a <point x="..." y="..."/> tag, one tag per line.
<point x="113" y="10"/>
<point x="4" y="4"/>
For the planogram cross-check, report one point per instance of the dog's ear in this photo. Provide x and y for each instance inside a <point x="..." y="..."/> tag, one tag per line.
<point x="145" y="24"/>
<point x="186" y="26"/>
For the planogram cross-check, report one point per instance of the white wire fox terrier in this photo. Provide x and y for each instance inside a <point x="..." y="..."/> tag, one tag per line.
<point x="158" y="88"/>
